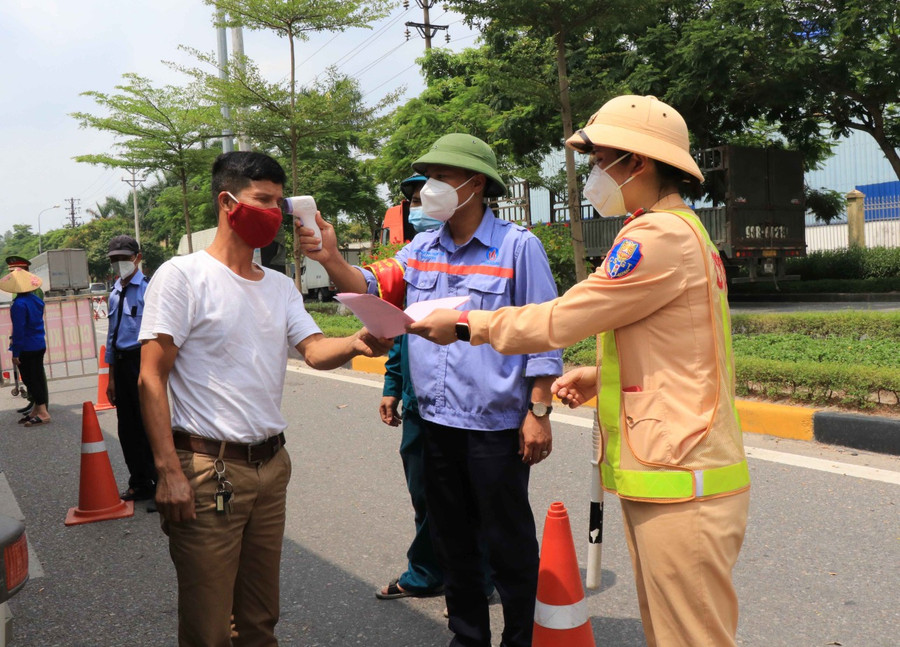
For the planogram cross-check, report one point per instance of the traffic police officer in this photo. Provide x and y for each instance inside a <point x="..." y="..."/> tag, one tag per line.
<point x="672" y="445"/>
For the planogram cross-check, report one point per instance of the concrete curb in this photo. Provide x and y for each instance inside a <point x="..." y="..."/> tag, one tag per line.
<point x="868" y="433"/>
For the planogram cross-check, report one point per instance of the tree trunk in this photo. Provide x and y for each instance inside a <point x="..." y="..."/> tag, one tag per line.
<point x="571" y="180"/>
<point x="187" y="212"/>
<point x="886" y="146"/>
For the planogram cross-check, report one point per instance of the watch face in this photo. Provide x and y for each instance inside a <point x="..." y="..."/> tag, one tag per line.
<point x="539" y="409"/>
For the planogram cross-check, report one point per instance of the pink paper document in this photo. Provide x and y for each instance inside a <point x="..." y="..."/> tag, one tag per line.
<point x="387" y="320"/>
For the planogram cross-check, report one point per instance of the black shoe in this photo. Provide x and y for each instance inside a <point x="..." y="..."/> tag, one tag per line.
<point x="26" y="408"/>
<point x="140" y="494"/>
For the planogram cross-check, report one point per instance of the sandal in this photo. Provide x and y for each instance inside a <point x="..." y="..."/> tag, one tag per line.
<point x="393" y="592"/>
<point x="34" y="421"/>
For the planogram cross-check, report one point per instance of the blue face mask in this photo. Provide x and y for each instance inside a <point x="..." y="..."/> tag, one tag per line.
<point x="420" y="221"/>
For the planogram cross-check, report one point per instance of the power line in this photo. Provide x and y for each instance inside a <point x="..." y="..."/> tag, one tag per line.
<point x="97" y="179"/>
<point x="403" y="71"/>
<point x="310" y="57"/>
<point x="377" y="60"/>
<point x="366" y="42"/>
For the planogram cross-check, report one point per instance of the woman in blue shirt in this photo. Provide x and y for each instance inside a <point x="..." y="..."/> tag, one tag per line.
<point x="28" y="342"/>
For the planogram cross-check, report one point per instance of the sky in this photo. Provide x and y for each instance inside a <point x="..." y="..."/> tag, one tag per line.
<point x="53" y="50"/>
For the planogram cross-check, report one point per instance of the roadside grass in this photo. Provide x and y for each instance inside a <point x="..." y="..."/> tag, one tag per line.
<point x="846" y="359"/>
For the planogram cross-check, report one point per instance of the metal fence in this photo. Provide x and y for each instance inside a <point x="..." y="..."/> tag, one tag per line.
<point x="879" y="233"/>
<point x="882" y="226"/>
<point x="70" y="337"/>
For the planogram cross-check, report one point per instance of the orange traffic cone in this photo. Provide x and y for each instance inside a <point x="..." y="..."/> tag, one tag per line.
<point x="560" y="615"/>
<point x="98" y="497"/>
<point x="103" y="403"/>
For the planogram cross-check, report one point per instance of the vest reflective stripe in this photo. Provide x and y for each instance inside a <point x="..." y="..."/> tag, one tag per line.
<point x="676" y="484"/>
<point x="560" y="617"/>
<point x="653" y="483"/>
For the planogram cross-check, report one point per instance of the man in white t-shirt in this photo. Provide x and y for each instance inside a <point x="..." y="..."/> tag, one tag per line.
<point x="216" y="329"/>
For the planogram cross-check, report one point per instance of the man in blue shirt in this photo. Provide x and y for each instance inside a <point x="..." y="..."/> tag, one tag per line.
<point x="123" y="354"/>
<point x="486" y="416"/>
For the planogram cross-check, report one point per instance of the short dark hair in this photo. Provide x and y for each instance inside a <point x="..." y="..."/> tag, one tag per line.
<point x="235" y="171"/>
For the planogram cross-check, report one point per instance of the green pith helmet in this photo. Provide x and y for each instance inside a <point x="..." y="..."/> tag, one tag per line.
<point x="466" y="152"/>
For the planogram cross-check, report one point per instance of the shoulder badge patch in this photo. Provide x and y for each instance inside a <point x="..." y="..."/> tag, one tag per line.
<point x="623" y="258"/>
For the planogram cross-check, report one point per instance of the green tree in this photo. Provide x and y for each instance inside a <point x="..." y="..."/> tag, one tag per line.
<point x="562" y="21"/>
<point x="161" y="129"/>
<point x="19" y="241"/>
<point x="293" y="20"/>
<point x="801" y="67"/>
<point x="94" y="236"/>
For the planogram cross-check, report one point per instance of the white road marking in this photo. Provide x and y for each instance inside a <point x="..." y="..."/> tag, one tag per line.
<point x="783" y="458"/>
<point x="822" y="465"/>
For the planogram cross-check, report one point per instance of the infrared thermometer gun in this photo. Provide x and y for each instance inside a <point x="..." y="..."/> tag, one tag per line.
<point x="303" y="209"/>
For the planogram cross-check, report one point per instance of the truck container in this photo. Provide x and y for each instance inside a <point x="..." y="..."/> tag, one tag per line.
<point x="63" y="271"/>
<point x="755" y="213"/>
<point x="314" y="281"/>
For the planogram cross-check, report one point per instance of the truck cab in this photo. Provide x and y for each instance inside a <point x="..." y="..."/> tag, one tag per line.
<point x="395" y="227"/>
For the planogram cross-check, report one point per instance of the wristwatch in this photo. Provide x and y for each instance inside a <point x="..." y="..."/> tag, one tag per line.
<point x="539" y="409"/>
<point x="462" y="327"/>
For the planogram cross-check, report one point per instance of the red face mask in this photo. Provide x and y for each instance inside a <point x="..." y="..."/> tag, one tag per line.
<point x="257" y="227"/>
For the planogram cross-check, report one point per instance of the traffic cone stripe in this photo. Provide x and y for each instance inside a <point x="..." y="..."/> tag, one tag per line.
<point x="93" y="448"/>
<point x="564" y="617"/>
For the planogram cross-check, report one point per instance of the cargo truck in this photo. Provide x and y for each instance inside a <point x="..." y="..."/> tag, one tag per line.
<point x="63" y="271"/>
<point x="756" y="217"/>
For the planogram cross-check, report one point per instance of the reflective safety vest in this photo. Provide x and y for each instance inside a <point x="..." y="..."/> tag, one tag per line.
<point x="716" y="466"/>
<point x="391" y="286"/>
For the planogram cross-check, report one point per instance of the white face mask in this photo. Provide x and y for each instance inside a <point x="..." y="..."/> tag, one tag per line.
<point x="603" y="193"/>
<point x="439" y="199"/>
<point x="124" y="268"/>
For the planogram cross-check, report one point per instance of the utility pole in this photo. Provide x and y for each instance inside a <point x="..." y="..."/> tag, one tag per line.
<point x="134" y="182"/>
<point x="222" y="38"/>
<point x="237" y="48"/>
<point x="426" y="29"/>
<point x="73" y="211"/>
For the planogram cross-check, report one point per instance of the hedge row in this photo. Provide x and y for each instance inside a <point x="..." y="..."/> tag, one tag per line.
<point x="823" y="286"/>
<point x="848" y="323"/>
<point x="855" y="263"/>
<point x="823" y="383"/>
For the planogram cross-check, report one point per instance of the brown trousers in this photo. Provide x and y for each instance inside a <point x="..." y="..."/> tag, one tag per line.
<point x="230" y="563"/>
<point x="683" y="555"/>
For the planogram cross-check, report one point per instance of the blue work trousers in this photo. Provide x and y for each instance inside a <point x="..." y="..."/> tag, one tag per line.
<point x="477" y="491"/>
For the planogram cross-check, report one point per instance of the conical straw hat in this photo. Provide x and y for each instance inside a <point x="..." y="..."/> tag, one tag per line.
<point x="19" y="281"/>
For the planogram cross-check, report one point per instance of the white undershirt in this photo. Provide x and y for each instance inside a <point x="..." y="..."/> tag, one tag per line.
<point x="232" y="336"/>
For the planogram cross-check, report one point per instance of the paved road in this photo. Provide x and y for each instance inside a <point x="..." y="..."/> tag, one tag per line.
<point x="820" y="564"/>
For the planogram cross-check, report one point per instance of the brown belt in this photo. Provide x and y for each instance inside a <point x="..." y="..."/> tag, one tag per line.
<point x="252" y="453"/>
